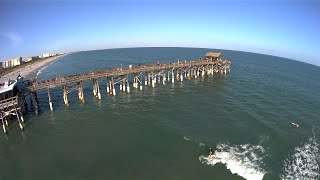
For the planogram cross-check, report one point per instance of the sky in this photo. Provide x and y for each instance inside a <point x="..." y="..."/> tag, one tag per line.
<point x="286" y="28"/>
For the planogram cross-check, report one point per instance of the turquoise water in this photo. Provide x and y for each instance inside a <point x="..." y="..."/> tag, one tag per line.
<point x="165" y="132"/>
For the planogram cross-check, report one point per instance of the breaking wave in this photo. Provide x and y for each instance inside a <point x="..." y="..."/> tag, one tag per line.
<point x="40" y="70"/>
<point x="304" y="163"/>
<point x="244" y="160"/>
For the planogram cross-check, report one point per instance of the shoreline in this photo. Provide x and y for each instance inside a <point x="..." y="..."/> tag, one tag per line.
<point x="29" y="71"/>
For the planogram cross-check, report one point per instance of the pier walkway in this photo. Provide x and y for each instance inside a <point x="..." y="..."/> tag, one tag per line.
<point x="50" y="83"/>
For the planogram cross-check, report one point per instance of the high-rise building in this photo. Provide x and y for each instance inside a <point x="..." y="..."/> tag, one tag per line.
<point x="12" y="62"/>
<point x="45" y="55"/>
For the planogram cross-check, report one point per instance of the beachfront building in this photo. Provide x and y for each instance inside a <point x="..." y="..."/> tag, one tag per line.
<point x="32" y="58"/>
<point x="213" y="56"/>
<point x="45" y="55"/>
<point x="1" y="65"/>
<point x="29" y="59"/>
<point x="12" y="62"/>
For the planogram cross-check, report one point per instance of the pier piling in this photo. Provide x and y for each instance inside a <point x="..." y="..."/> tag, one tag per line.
<point x="50" y="102"/>
<point x="80" y="91"/>
<point x="65" y="95"/>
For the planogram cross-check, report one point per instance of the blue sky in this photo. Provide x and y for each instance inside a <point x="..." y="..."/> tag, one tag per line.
<point x="277" y="27"/>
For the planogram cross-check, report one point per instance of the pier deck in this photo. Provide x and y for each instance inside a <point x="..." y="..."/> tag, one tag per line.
<point x="59" y="81"/>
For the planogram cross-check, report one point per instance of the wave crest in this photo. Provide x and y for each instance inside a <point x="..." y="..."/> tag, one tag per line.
<point x="244" y="160"/>
<point x="304" y="163"/>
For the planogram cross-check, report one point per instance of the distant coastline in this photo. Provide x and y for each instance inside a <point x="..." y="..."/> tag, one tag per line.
<point x="29" y="71"/>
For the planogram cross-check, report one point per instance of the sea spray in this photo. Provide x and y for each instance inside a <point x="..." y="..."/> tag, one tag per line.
<point x="244" y="160"/>
<point x="303" y="163"/>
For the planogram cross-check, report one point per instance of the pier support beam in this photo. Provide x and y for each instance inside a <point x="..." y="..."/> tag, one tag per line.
<point x="153" y="80"/>
<point x="3" y="123"/>
<point x="198" y="72"/>
<point x="164" y="79"/>
<point x="135" y="82"/>
<point x="124" y="85"/>
<point x="34" y="102"/>
<point x="128" y="85"/>
<point x="50" y="102"/>
<point x="98" y="89"/>
<point x="141" y="82"/>
<point x="65" y="95"/>
<point x="19" y="119"/>
<point x="113" y="89"/>
<point x="141" y="85"/>
<point x="80" y="91"/>
<point x="6" y="121"/>
<point x="94" y="89"/>
<point x="108" y="87"/>
<point x="212" y="69"/>
<point x="172" y="75"/>
<point x="21" y="116"/>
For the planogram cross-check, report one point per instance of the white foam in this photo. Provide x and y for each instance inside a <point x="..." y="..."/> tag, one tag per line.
<point x="303" y="164"/>
<point x="186" y="138"/>
<point x="40" y="70"/>
<point x="244" y="160"/>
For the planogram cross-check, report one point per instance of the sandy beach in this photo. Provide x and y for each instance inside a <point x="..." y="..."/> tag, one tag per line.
<point x="28" y="70"/>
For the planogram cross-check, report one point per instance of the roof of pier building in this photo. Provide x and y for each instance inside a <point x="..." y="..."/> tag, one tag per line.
<point x="213" y="55"/>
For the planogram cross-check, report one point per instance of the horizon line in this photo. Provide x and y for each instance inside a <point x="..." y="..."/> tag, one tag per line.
<point x="133" y="47"/>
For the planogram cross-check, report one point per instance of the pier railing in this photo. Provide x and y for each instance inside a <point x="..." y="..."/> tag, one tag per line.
<point x="8" y="102"/>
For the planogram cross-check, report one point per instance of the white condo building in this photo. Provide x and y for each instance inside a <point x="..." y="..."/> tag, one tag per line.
<point x="45" y="55"/>
<point x="12" y="62"/>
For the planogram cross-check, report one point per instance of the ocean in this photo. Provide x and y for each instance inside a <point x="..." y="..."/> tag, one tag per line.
<point x="166" y="132"/>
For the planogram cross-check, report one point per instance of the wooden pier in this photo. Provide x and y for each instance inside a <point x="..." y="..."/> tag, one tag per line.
<point x="142" y="75"/>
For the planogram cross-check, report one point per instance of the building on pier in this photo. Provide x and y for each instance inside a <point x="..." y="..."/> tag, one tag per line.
<point x="11" y="102"/>
<point x="213" y="56"/>
<point x="8" y="89"/>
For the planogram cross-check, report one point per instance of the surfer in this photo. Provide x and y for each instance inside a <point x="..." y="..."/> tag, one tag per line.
<point x="295" y="125"/>
<point x="211" y="152"/>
